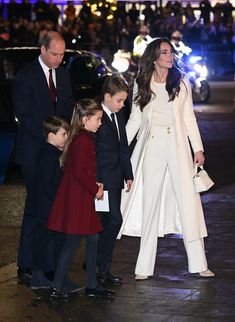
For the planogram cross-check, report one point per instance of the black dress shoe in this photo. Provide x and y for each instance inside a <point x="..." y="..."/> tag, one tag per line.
<point x="113" y="279"/>
<point x="99" y="291"/>
<point x="24" y="274"/>
<point x="108" y="277"/>
<point x="22" y="271"/>
<point x="71" y="287"/>
<point x="49" y="275"/>
<point x="39" y="281"/>
<point x="54" y="292"/>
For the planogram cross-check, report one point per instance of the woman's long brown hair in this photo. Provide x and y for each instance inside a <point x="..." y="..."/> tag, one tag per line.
<point x="146" y="69"/>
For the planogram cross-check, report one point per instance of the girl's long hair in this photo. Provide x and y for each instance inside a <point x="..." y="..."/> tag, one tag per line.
<point x="146" y="69"/>
<point x="84" y="107"/>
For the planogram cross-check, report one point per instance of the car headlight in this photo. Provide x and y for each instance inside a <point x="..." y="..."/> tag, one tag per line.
<point x="201" y="70"/>
<point x="204" y="71"/>
<point x="194" y="59"/>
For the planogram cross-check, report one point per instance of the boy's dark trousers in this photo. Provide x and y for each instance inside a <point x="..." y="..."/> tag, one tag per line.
<point x="111" y="222"/>
<point x="47" y="247"/>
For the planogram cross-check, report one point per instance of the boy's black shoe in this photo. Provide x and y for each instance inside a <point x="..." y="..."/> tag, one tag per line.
<point x="38" y="282"/>
<point x="54" y="292"/>
<point x="71" y="287"/>
<point x="103" y="278"/>
<point x="49" y="275"/>
<point x="24" y="271"/>
<point x="24" y="274"/>
<point x="99" y="291"/>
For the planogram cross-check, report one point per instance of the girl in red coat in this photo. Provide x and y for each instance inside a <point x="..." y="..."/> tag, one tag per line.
<point x="73" y="211"/>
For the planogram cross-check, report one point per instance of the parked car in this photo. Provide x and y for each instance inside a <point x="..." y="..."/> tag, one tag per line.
<point x="88" y="72"/>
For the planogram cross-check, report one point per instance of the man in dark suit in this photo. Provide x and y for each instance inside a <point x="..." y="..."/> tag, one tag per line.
<point x="40" y="90"/>
<point x="113" y="167"/>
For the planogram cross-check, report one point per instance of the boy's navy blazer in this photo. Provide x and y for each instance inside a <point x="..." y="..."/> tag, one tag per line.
<point x="47" y="178"/>
<point x="113" y="164"/>
<point x="32" y="104"/>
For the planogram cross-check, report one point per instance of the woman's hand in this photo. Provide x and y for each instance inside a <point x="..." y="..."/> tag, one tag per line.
<point x="199" y="158"/>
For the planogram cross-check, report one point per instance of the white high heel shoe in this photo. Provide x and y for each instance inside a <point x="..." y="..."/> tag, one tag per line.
<point x="207" y="273"/>
<point x="141" y="277"/>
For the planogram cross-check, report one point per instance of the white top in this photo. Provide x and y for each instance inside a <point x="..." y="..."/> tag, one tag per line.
<point x="162" y="112"/>
<point x="46" y="71"/>
<point x="107" y="111"/>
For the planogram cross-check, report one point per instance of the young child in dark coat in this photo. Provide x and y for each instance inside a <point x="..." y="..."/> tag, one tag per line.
<point x="47" y="178"/>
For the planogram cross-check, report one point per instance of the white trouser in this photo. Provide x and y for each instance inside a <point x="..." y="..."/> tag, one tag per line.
<point x="161" y="154"/>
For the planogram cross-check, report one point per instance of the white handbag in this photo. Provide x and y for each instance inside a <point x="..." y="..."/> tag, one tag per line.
<point x="202" y="181"/>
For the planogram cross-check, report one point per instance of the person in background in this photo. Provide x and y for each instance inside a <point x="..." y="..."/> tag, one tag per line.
<point x="70" y="13"/>
<point x="133" y="14"/>
<point x="40" y="90"/>
<point x="113" y="167"/>
<point x="73" y="211"/>
<point x="163" y="198"/>
<point x="206" y="9"/>
<point x="141" y="41"/>
<point x="149" y="13"/>
<point x="179" y="46"/>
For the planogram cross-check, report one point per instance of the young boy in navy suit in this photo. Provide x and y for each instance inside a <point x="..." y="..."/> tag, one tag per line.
<point x="48" y="174"/>
<point x="113" y="168"/>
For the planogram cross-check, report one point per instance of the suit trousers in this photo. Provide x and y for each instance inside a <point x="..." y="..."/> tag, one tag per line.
<point x="111" y="222"/>
<point x="26" y="245"/>
<point x="161" y="155"/>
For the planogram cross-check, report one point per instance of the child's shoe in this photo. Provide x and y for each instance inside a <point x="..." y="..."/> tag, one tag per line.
<point x="56" y="293"/>
<point x="39" y="281"/>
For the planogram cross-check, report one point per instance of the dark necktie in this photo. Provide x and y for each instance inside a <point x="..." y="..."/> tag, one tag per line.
<point x="114" y="124"/>
<point x="52" y="87"/>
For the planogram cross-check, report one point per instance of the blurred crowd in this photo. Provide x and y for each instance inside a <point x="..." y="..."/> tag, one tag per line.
<point x="23" y="23"/>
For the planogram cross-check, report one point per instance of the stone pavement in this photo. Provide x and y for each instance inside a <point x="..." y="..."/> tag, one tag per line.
<point x="172" y="294"/>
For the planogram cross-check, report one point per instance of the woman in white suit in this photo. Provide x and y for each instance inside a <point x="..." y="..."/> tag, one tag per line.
<point x="163" y="199"/>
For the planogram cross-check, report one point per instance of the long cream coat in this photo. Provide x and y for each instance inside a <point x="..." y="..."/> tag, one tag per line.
<point x="186" y="129"/>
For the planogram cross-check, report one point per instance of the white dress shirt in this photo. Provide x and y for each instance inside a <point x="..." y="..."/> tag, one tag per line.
<point x="46" y="71"/>
<point x="108" y="112"/>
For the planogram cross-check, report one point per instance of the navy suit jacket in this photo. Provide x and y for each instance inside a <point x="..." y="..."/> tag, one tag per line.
<point x="48" y="174"/>
<point x="113" y="164"/>
<point x="32" y="105"/>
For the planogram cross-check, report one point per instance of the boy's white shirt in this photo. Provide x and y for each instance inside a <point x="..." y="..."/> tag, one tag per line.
<point x="108" y="112"/>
